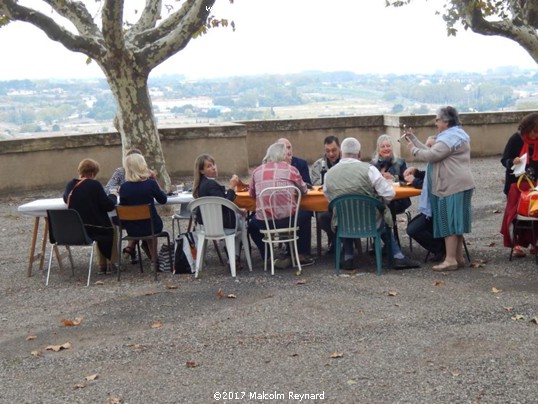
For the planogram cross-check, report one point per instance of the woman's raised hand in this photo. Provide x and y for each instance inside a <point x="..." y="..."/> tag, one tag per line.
<point x="234" y="181"/>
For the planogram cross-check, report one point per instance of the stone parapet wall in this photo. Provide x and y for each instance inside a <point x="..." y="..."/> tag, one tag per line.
<point x="46" y="162"/>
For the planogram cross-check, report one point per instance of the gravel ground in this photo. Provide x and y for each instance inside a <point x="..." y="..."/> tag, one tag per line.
<point x="413" y="336"/>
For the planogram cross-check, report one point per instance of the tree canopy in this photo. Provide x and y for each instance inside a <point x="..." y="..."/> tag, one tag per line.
<point x="513" y="19"/>
<point x="125" y="51"/>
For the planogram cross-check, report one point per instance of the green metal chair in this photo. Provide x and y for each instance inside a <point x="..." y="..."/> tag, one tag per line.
<point x="357" y="218"/>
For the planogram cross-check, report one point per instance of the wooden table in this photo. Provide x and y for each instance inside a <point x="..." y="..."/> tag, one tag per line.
<point x="38" y="209"/>
<point x="315" y="201"/>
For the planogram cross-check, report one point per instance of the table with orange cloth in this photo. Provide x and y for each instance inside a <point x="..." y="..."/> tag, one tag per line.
<point x="315" y="200"/>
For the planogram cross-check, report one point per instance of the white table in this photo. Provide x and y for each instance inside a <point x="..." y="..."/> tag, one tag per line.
<point x="38" y="209"/>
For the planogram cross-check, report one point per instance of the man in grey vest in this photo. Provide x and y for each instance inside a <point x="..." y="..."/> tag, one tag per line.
<point x="355" y="177"/>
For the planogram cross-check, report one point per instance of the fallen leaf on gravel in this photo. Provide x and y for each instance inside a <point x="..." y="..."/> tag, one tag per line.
<point x="492" y="244"/>
<point x="57" y="348"/>
<point x="439" y="283"/>
<point x="495" y="290"/>
<point x="300" y="282"/>
<point x="231" y="296"/>
<point x="392" y="293"/>
<point x="71" y="323"/>
<point x="518" y="317"/>
<point x="91" y="377"/>
<point x="478" y="263"/>
<point x="171" y="286"/>
<point x="351" y="381"/>
<point x="137" y="347"/>
<point x="36" y="353"/>
<point x="31" y="337"/>
<point x="220" y="293"/>
<point x="191" y="364"/>
<point x="114" y="400"/>
<point x="455" y="372"/>
<point x="509" y="309"/>
<point x="534" y="320"/>
<point x="157" y="324"/>
<point x="99" y="283"/>
<point x="79" y="386"/>
<point x="337" y="355"/>
<point x="149" y="293"/>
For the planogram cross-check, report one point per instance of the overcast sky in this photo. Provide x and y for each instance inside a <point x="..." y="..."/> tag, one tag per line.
<point x="286" y="36"/>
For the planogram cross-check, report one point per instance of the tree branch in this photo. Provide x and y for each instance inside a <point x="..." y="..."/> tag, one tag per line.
<point x="112" y="19"/>
<point x="175" y="32"/>
<point x="78" y="14"/>
<point x="76" y="43"/>
<point x="148" y="19"/>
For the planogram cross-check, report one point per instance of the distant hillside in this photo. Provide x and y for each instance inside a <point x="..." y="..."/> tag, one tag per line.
<point x="84" y="106"/>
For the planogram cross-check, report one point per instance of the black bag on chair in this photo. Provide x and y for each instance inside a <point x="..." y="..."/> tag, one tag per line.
<point x="185" y="253"/>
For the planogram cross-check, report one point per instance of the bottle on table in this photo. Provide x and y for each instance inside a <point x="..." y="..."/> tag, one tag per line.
<point x="323" y="171"/>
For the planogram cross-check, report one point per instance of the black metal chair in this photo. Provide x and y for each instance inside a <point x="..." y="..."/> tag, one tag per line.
<point x="138" y="213"/>
<point x="67" y="229"/>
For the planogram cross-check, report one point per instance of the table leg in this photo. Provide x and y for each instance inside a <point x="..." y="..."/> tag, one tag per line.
<point x="318" y="235"/>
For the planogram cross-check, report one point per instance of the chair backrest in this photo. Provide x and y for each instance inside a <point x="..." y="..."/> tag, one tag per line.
<point x="131" y="213"/>
<point x="210" y="208"/>
<point x="66" y="228"/>
<point x="280" y="202"/>
<point x="357" y="215"/>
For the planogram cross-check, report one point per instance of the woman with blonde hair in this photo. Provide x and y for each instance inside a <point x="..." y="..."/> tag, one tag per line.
<point x="140" y="189"/>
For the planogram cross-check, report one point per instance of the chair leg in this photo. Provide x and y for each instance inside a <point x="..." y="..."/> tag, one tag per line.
<point x="216" y="245"/>
<point x="52" y="249"/>
<point x="244" y="238"/>
<point x="199" y="254"/>
<point x="90" y="266"/>
<point x="154" y="256"/>
<point x="337" y="252"/>
<point x="467" y="251"/>
<point x="230" y="247"/>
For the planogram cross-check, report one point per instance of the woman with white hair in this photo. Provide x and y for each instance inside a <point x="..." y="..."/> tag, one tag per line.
<point x="277" y="170"/>
<point x="452" y="184"/>
<point x="392" y="169"/>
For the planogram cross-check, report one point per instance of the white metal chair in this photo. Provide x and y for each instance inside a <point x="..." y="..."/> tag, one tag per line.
<point x="67" y="229"/>
<point x="213" y="229"/>
<point x="278" y="201"/>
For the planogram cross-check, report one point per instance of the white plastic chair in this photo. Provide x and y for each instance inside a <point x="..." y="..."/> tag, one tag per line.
<point x="271" y="200"/>
<point x="213" y="229"/>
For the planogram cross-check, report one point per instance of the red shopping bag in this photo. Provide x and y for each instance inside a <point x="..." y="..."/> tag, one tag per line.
<point x="528" y="199"/>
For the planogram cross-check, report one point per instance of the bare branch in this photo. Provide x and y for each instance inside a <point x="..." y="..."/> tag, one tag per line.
<point x="148" y="19"/>
<point x="176" y="32"/>
<point x="75" y="43"/>
<point x="78" y="14"/>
